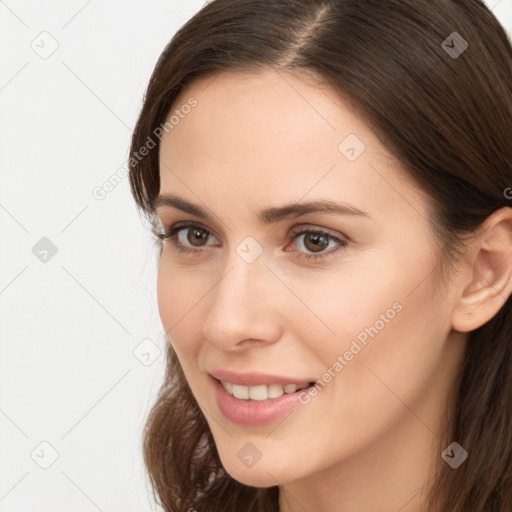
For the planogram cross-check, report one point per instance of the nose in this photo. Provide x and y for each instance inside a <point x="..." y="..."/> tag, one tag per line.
<point x="243" y="308"/>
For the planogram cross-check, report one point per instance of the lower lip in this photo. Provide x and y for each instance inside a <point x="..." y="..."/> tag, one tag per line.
<point x="254" y="412"/>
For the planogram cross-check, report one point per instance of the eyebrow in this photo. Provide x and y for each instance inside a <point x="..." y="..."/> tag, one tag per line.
<point x="270" y="215"/>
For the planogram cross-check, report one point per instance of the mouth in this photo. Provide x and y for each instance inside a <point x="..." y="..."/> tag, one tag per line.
<point x="259" y="404"/>
<point x="256" y="398"/>
<point x="262" y="391"/>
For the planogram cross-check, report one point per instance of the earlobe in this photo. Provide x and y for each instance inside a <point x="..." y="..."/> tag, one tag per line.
<point x="490" y="274"/>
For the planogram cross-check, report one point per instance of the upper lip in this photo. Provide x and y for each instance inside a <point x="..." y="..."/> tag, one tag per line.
<point x="256" y="379"/>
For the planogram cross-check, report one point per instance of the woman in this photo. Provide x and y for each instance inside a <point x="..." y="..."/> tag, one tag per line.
<point x="327" y="181"/>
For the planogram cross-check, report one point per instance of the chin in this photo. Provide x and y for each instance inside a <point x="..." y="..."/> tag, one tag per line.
<point x="263" y="473"/>
<point x="256" y="478"/>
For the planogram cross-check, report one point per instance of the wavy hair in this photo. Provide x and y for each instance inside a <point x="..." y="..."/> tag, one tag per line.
<point x="446" y="117"/>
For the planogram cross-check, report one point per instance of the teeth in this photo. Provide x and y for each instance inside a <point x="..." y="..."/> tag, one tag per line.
<point x="261" y="392"/>
<point x="241" y="392"/>
<point x="275" y="390"/>
<point x="258" y="392"/>
<point x="290" y="388"/>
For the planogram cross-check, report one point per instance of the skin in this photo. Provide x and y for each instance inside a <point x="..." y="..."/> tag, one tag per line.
<point x="369" y="440"/>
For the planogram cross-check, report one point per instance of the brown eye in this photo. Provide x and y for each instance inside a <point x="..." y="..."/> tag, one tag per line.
<point x="311" y="244"/>
<point x="195" y="236"/>
<point x="187" y="236"/>
<point x="315" y="242"/>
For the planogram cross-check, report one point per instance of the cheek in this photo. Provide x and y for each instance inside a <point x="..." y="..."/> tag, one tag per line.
<point x="354" y="303"/>
<point x="390" y="337"/>
<point x="371" y="297"/>
<point x="179" y="298"/>
<point x="383" y="324"/>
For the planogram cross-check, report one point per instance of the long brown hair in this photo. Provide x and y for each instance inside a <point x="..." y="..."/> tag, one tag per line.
<point x="445" y="111"/>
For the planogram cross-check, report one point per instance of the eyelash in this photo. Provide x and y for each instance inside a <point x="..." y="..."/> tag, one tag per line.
<point x="174" y="230"/>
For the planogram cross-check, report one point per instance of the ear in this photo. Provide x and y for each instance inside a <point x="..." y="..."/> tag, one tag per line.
<point x="489" y="282"/>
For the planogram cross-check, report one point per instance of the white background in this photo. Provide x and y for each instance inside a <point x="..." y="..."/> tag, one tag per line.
<point x="70" y="325"/>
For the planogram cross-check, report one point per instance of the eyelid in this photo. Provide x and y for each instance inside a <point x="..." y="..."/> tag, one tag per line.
<point x="172" y="232"/>
<point x="174" y="228"/>
<point x="182" y="249"/>
<point x="300" y="229"/>
<point x="320" y="257"/>
<point x="340" y="237"/>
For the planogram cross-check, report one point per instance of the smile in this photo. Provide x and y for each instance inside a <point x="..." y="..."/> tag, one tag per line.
<point x="261" y="392"/>
<point x="259" y="404"/>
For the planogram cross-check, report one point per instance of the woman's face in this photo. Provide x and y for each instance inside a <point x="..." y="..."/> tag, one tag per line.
<point x="352" y="305"/>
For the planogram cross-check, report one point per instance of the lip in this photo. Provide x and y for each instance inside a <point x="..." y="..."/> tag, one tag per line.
<point x="254" y="412"/>
<point x="256" y="379"/>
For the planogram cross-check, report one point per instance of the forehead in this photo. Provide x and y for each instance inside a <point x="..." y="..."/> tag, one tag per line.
<point x="269" y="135"/>
<point x="265" y="115"/>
